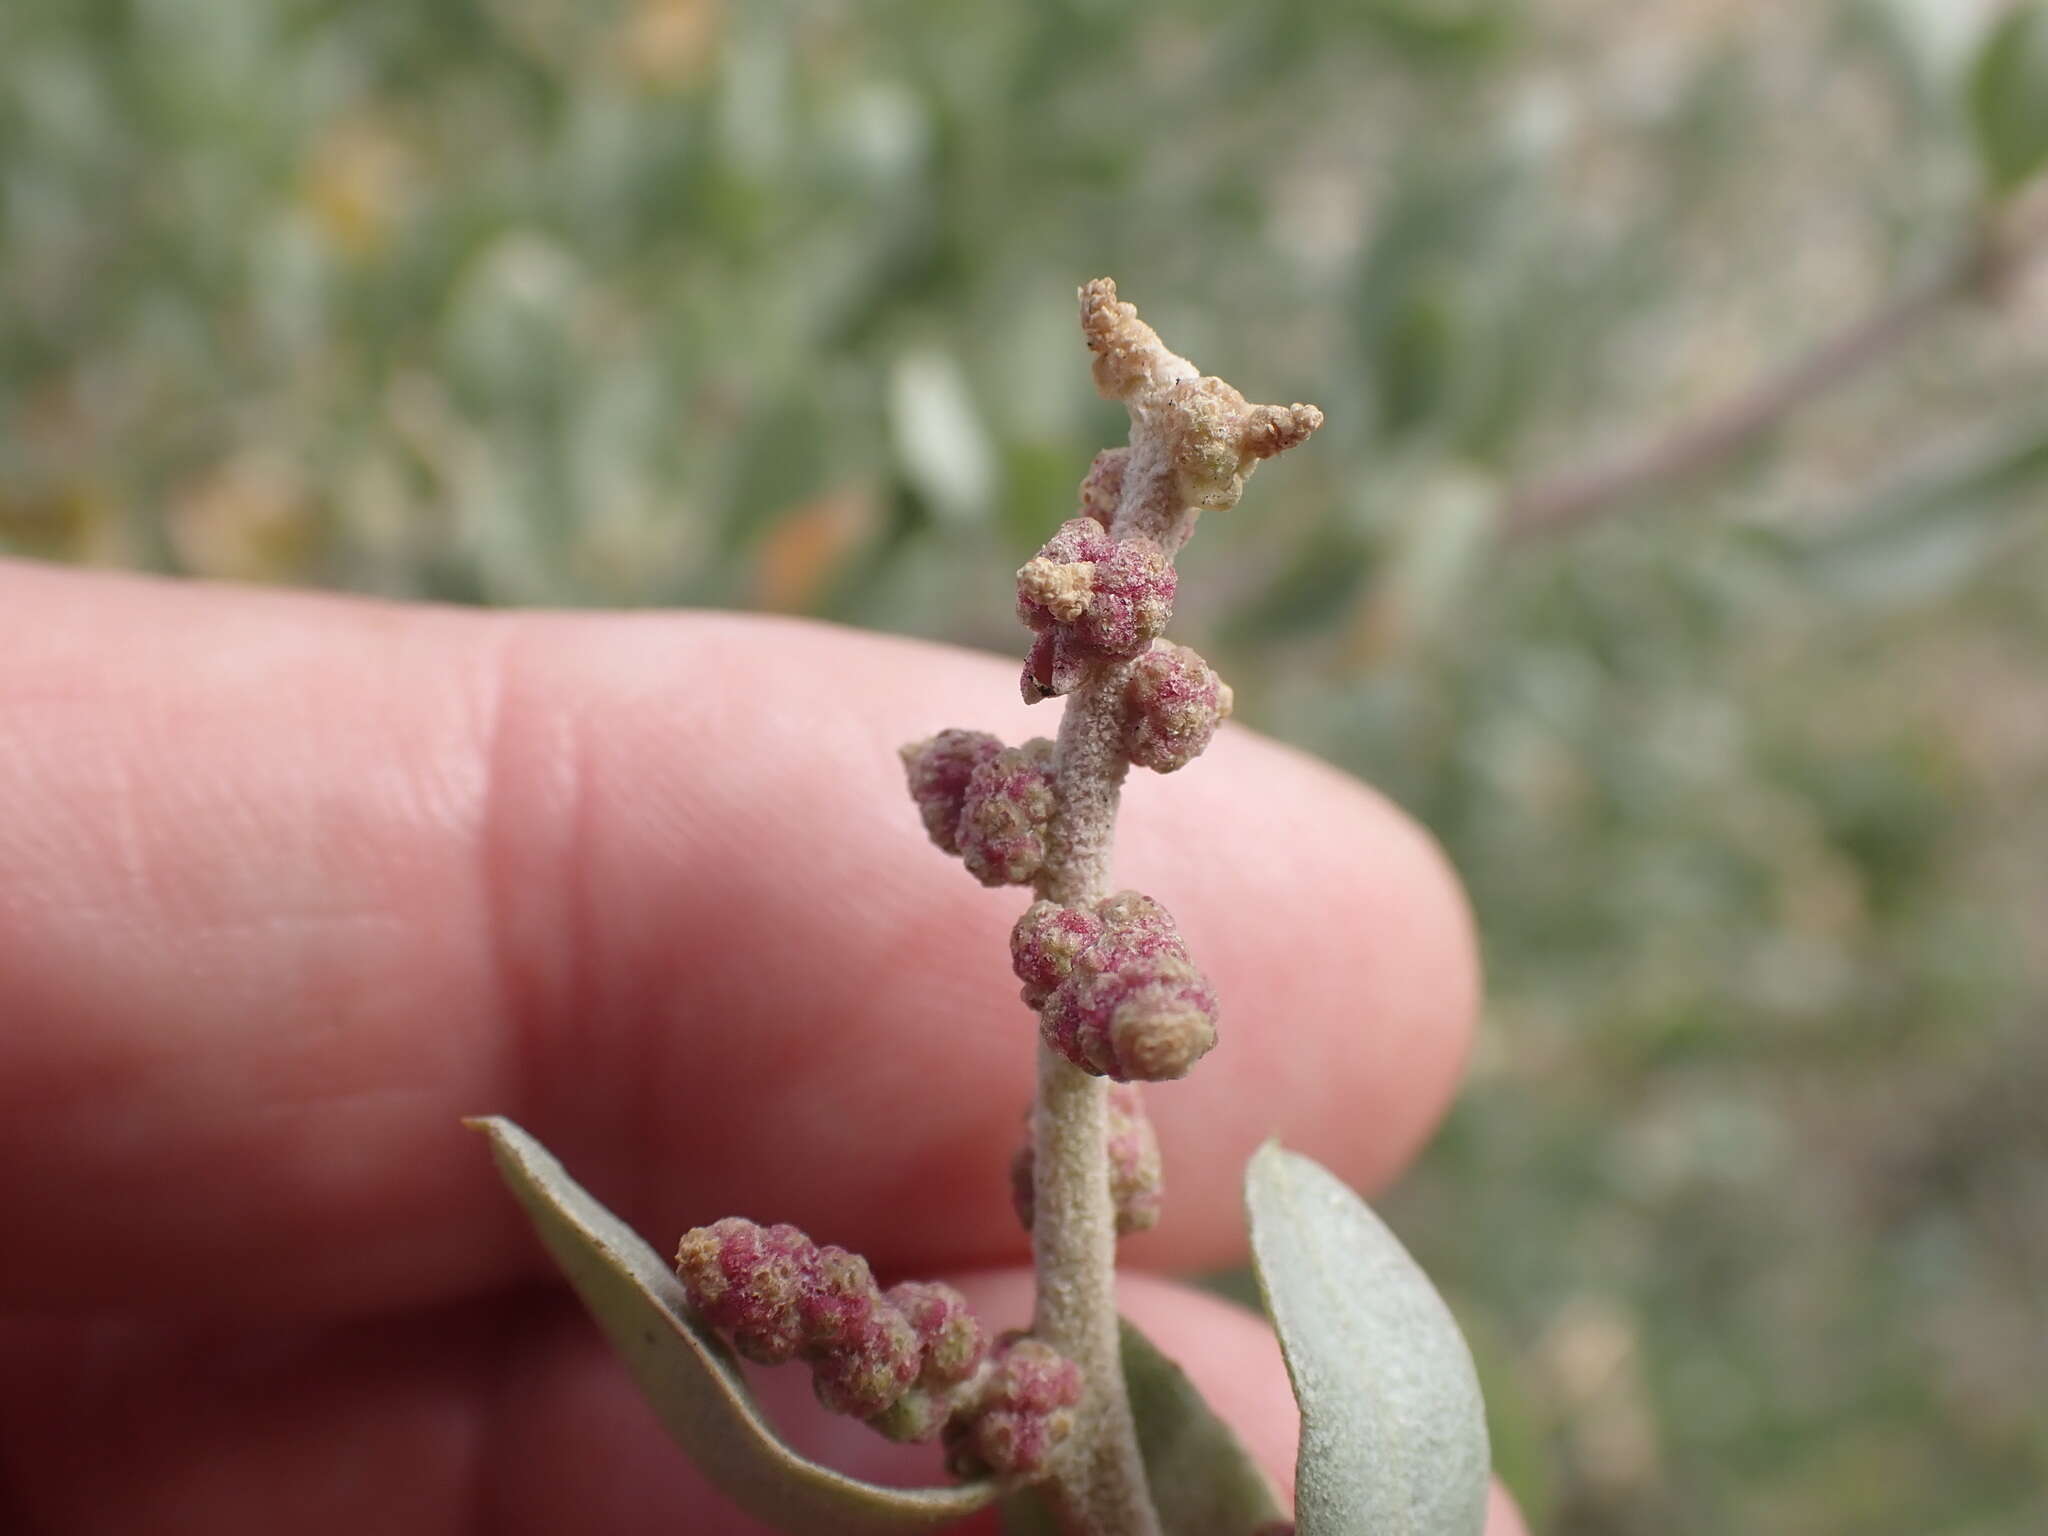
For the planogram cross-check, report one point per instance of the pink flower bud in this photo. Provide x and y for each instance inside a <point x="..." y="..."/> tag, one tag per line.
<point x="1132" y="1006"/>
<point x="915" y="1417"/>
<point x="1172" y="704"/>
<point x="1136" y="926"/>
<point x="1137" y="1182"/>
<point x="840" y="1301"/>
<point x="1025" y="1412"/>
<point x="1148" y="1021"/>
<point x="1090" y="598"/>
<point x="938" y="769"/>
<point x="750" y="1281"/>
<point x="950" y="1338"/>
<point x="1004" y="814"/>
<point x="1104" y="486"/>
<point x="869" y="1367"/>
<point x="1136" y="1172"/>
<point x="1045" y="943"/>
<point x="781" y="1296"/>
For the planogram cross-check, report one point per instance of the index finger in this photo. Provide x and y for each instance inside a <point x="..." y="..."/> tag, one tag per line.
<point x="293" y="883"/>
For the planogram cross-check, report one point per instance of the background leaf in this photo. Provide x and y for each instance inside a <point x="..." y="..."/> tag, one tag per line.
<point x="2009" y="98"/>
<point x="688" y="1375"/>
<point x="1204" y="1482"/>
<point x="1393" y="1433"/>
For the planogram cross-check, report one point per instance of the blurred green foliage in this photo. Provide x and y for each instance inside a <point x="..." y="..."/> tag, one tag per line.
<point x="669" y="301"/>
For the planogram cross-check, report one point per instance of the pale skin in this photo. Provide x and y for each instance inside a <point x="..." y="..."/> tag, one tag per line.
<point x="289" y="884"/>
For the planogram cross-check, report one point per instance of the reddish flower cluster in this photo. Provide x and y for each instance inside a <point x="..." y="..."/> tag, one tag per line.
<point x="1090" y="598"/>
<point x="1115" y="990"/>
<point x="986" y="802"/>
<point x="953" y="1350"/>
<point x="1173" y="702"/>
<point x="781" y="1297"/>
<point x="1025" y="1409"/>
<point x="1136" y="1175"/>
<point x="1113" y="986"/>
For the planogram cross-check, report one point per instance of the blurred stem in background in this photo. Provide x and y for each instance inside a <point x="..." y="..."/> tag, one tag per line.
<point x="1989" y="263"/>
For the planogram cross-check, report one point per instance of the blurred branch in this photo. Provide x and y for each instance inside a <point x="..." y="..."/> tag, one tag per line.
<point x="1983" y="268"/>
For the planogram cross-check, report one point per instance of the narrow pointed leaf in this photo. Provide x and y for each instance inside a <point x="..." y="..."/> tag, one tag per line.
<point x="688" y="1374"/>
<point x="1393" y="1433"/>
<point x="1203" y="1481"/>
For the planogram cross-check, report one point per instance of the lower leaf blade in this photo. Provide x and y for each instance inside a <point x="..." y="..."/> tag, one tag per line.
<point x="690" y="1377"/>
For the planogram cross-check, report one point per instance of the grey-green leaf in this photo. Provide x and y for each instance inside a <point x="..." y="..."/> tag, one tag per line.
<point x="1203" y="1481"/>
<point x="1393" y="1432"/>
<point x="688" y="1374"/>
<point x="2009" y="98"/>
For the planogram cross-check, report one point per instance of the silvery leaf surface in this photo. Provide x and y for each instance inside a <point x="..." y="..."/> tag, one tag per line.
<point x="1393" y="1431"/>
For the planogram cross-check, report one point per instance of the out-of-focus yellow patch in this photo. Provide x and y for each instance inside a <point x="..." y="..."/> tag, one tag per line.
<point x="808" y="546"/>
<point x="249" y="518"/>
<point x="71" y="521"/>
<point x="667" y="42"/>
<point x="355" y="185"/>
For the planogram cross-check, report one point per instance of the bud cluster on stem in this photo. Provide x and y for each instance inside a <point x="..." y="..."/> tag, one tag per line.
<point x="1119" y="999"/>
<point x="1117" y="995"/>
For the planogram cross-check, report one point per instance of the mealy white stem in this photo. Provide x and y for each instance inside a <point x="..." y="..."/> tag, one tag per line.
<point x="1098" y="1485"/>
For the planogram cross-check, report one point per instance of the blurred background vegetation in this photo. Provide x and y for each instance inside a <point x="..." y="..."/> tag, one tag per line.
<point x="769" y="305"/>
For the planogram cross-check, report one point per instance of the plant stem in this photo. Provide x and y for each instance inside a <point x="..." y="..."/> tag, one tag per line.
<point x="1098" y="1487"/>
<point x="1193" y="442"/>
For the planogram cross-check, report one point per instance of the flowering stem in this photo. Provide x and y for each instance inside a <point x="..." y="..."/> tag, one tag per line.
<point x="1118" y="999"/>
<point x="1194" y="440"/>
<point x="1098" y="1485"/>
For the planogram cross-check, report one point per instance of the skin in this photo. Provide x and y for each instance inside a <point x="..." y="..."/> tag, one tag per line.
<point x="288" y="884"/>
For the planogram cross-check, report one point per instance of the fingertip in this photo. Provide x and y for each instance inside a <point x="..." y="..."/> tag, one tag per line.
<point x="1503" y="1515"/>
<point x="1344" y="950"/>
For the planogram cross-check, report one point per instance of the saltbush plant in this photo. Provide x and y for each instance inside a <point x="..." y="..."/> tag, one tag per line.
<point x="1077" y="1424"/>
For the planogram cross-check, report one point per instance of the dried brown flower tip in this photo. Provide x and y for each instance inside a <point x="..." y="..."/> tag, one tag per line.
<point x="1217" y="438"/>
<point x="1130" y="359"/>
<point x="1202" y="435"/>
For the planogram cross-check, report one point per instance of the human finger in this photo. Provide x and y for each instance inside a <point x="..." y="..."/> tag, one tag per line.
<point x="293" y="883"/>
